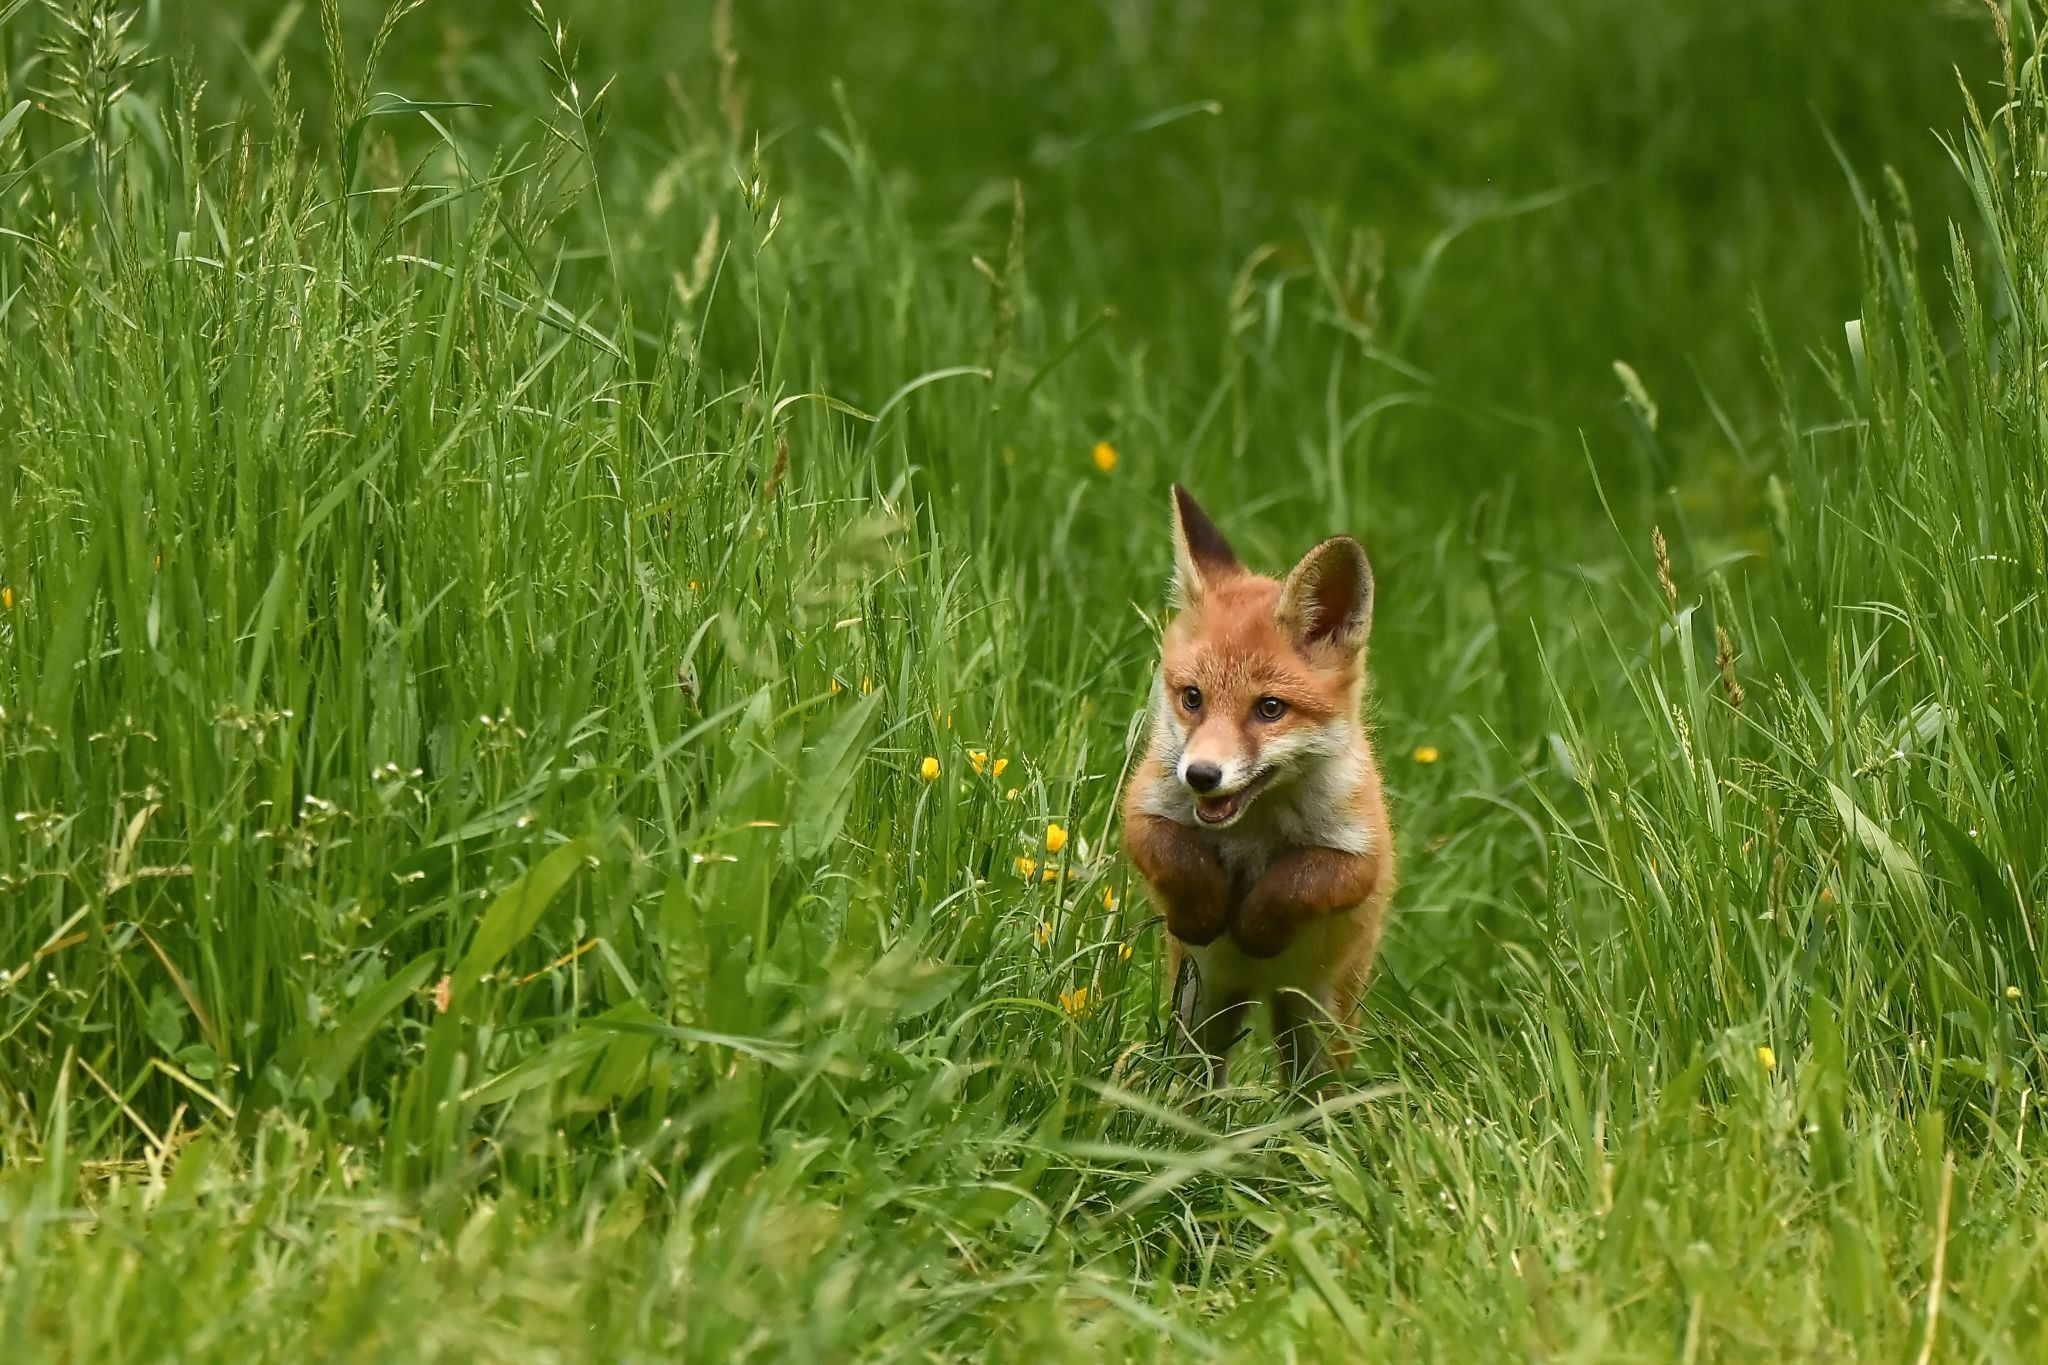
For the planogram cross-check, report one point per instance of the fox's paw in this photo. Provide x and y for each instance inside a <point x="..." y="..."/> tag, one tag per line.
<point x="1263" y="927"/>
<point x="1197" y="920"/>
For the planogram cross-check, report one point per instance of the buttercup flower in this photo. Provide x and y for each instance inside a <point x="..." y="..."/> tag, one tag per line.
<point x="1108" y="898"/>
<point x="929" y="769"/>
<point x="1766" y="1058"/>
<point x="1105" y="456"/>
<point x="979" y="758"/>
<point x="1074" y="1001"/>
<point x="1123" y="952"/>
<point x="1042" y="935"/>
<point x="1027" y="868"/>
<point x="1055" y="838"/>
<point x="1426" y="753"/>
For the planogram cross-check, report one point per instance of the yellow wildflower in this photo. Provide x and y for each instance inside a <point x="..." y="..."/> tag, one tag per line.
<point x="1105" y="456"/>
<point x="1426" y="753"/>
<point x="997" y="770"/>
<point x="1027" y="868"/>
<point x="1123" y="952"/>
<point x="1055" y="838"/>
<point x="867" y="685"/>
<point x="1011" y="795"/>
<point x="979" y="758"/>
<point x="1766" y="1058"/>
<point x="1827" y="895"/>
<point x="835" y="687"/>
<point x="1042" y="935"/>
<point x="929" y="769"/>
<point x="1074" y="1001"/>
<point x="2012" y="992"/>
<point x="1049" y="874"/>
<point x="6" y="599"/>
<point x="1108" y="898"/>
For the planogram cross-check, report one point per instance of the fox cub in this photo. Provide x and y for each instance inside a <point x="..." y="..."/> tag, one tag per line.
<point x="1256" y="817"/>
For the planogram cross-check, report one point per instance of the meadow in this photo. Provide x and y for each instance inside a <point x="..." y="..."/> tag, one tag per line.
<point x="575" y="585"/>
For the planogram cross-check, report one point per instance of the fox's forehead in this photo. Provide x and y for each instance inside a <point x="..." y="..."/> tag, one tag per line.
<point x="1232" y="639"/>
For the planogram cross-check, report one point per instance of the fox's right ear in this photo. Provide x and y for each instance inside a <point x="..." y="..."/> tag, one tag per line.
<point x="1327" y="599"/>
<point x="1201" y="556"/>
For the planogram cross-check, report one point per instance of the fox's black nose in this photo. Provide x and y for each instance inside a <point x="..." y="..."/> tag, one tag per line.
<point x="1203" y="777"/>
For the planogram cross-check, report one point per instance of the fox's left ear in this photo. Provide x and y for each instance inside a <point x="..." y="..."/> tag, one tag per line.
<point x="1327" y="599"/>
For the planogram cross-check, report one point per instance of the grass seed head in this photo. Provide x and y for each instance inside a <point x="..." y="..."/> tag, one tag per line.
<point x="1664" y="579"/>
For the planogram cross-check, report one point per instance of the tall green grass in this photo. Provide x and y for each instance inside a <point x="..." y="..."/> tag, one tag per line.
<point x="542" y="644"/>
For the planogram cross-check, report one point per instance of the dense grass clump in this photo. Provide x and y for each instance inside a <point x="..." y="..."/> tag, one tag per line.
<point x="567" y="647"/>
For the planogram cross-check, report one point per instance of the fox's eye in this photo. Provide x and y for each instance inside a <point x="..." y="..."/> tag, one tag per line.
<point x="1191" y="698"/>
<point x="1271" y="708"/>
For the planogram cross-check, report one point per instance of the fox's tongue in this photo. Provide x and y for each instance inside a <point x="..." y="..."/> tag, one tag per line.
<point x="1216" y="809"/>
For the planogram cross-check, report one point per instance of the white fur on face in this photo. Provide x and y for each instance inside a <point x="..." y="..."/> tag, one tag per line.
<point x="1216" y="742"/>
<point x="1169" y="737"/>
<point x="1304" y="744"/>
<point x="1237" y="768"/>
<point x="1316" y="768"/>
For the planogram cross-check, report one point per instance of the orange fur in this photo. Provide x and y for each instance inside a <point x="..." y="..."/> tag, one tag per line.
<point x="1256" y="816"/>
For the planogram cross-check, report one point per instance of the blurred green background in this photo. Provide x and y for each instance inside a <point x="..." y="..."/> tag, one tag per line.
<point x="1519" y="193"/>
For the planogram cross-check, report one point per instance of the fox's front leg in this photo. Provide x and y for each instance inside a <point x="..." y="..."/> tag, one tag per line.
<point x="1296" y="887"/>
<point x="1185" y="875"/>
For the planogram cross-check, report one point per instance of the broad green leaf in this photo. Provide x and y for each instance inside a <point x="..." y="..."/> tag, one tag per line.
<point x="828" y="773"/>
<point x="517" y="909"/>
<point x="1903" y="872"/>
<point x="340" y="1049"/>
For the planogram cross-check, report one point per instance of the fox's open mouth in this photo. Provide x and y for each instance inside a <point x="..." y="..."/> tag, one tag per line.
<point x="1221" y="810"/>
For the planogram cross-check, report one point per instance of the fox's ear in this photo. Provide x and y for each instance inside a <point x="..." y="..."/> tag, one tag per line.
<point x="1201" y="556"/>
<point x="1327" y="599"/>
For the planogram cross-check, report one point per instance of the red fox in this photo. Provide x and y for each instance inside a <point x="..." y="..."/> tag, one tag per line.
<point x="1256" y="817"/>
